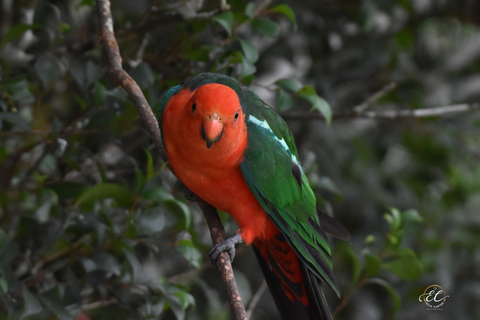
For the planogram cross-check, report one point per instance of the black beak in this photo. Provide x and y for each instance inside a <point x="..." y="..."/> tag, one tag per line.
<point x="210" y="142"/>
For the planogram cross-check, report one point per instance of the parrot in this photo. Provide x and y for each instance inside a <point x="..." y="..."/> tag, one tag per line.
<point x="237" y="153"/>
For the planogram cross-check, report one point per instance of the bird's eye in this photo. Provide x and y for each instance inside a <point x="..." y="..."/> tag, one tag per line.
<point x="194" y="107"/>
<point x="236" y="116"/>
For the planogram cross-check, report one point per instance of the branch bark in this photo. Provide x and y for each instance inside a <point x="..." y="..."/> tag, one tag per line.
<point x="149" y="121"/>
<point x="388" y="114"/>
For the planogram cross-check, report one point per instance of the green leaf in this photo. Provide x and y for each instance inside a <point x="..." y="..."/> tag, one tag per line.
<point x="394" y="219"/>
<point x="372" y="265"/>
<point x="150" y="168"/>
<point x="143" y="75"/>
<point x="249" y="9"/>
<point x="32" y="304"/>
<point x="157" y="193"/>
<point x="266" y="27"/>
<point x="19" y="88"/>
<point x="394" y="239"/>
<point x="287" y="11"/>
<point x="370" y="239"/>
<point x="179" y="302"/>
<point x="102" y="172"/>
<point x="248" y="80"/>
<point x="289" y="84"/>
<point x="99" y="93"/>
<point x="395" y="297"/>
<point x="15" y="119"/>
<point x="247" y="68"/>
<point x="344" y="251"/>
<point x="249" y="51"/>
<point x="405" y="264"/>
<point x="67" y="189"/>
<point x="106" y="262"/>
<point x="179" y="209"/>
<point x="49" y="200"/>
<point x="318" y="103"/>
<point x="199" y="54"/>
<point x="15" y="32"/>
<point x="134" y="263"/>
<point x="177" y="297"/>
<point x="48" y="70"/>
<point x="4" y="285"/>
<point x="39" y="178"/>
<point x="139" y="180"/>
<point x="82" y="103"/>
<point x="3" y="154"/>
<point x="285" y="101"/>
<point x="188" y="250"/>
<point x="236" y="57"/>
<point x="89" y="3"/>
<point x="150" y="221"/>
<point x="57" y="309"/>
<point x="84" y="71"/>
<point x="65" y="28"/>
<point x="131" y="232"/>
<point x="105" y="191"/>
<point x="225" y="20"/>
<point x="412" y="216"/>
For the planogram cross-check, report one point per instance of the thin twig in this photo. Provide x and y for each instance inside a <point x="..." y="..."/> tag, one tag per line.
<point x="140" y="52"/>
<point x="92" y="305"/>
<point x="122" y="78"/>
<point x="375" y="97"/>
<point x="256" y="299"/>
<point x="388" y="114"/>
<point x="98" y="304"/>
<point x="347" y="298"/>
<point x="260" y="7"/>
<point x="39" y="269"/>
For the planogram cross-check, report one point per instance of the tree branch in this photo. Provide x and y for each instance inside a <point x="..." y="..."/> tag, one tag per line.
<point x="388" y="114"/>
<point x="360" y="111"/>
<point x="149" y="121"/>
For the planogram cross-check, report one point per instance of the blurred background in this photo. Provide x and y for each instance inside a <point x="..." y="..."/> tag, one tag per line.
<point x="382" y="98"/>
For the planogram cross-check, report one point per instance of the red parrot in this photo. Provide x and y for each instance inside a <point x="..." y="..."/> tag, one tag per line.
<point x="235" y="152"/>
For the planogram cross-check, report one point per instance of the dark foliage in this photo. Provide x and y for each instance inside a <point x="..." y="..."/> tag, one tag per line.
<point x="92" y="224"/>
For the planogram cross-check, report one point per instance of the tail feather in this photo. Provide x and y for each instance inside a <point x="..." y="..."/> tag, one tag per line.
<point x="296" y="290"/>
<point x="319" y="307"/>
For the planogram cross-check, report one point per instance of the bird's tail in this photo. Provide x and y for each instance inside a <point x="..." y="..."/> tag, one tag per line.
<point x="296" y="290"/>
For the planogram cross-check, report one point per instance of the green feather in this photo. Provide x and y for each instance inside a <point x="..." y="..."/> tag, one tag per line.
<point x="171" y="92"/>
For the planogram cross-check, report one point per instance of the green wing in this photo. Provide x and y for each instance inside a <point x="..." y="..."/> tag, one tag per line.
<point x="273" y="173"/>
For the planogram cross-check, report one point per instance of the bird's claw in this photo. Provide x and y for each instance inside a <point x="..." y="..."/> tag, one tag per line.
<point x="227" y="245"/>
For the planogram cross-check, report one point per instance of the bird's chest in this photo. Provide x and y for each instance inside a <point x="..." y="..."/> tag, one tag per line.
<point x="222" y="188"/>
<point x="221" y="183"/>
<point x="210" y="178"/>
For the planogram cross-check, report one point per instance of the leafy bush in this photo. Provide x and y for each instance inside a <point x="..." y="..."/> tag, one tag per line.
<point x="92" y="224"/>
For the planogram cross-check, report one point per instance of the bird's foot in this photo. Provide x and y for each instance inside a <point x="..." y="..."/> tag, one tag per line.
<point x="189" y="195"/>
<point x="227" y="245"/>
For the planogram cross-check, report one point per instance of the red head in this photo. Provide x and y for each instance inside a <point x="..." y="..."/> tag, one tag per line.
<point x="207" y="123"/>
